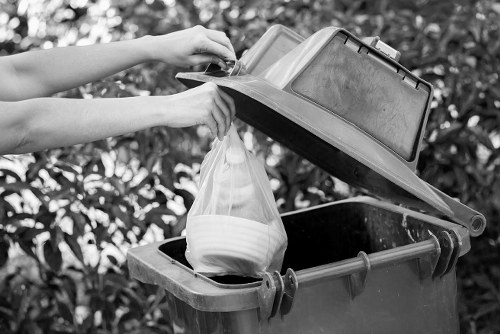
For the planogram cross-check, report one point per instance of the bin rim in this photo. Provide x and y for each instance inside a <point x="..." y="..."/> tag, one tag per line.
<point x="149" y="265"/>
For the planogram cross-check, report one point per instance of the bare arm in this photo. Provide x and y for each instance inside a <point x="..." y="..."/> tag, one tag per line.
<point x="45" y="72"/>
<point x="36" y="124"/>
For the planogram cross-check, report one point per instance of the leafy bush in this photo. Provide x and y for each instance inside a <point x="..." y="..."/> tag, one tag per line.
<point x="76" y="210"/>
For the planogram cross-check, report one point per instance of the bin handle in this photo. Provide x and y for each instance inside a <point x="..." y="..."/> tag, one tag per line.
<point x="434" y="256"/>
<point x="427" y="252"/>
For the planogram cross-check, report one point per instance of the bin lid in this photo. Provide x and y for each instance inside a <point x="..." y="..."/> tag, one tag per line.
<point x="344" y="105"/>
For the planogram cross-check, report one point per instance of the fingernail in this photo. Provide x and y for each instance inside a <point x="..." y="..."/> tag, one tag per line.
<point x="222" y="65"/>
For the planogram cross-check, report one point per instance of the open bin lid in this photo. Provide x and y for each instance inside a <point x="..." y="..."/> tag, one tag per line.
<point x="347" y="106"/>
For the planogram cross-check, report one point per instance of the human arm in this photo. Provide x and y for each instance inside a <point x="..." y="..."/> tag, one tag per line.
<point x="45" y="72"/>
<point x="40" y="123"/>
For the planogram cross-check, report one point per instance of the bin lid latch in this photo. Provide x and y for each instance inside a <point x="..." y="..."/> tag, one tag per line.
<point x="276" y="293"/>
<point x="387" y="50"/>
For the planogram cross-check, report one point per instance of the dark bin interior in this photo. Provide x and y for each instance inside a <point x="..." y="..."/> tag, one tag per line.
<point x="331" y="233"/>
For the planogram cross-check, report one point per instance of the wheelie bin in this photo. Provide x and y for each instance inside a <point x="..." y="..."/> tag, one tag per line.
<point x="383" y="263"/>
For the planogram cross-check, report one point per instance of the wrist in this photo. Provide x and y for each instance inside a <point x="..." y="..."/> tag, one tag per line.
<point x="160" y="108"/>
<point x="147" y="46"/>
<point x="153" y="49"/>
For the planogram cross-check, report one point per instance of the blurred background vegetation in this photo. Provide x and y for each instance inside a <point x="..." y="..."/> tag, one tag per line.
<point x="75" y="211"/>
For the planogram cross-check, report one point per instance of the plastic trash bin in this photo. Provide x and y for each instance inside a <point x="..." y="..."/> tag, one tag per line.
<point x="379" y="264"/>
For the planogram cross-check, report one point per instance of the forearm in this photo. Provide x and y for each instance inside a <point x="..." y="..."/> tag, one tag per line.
<point x="37" y="124"/>
<point x="45" y="72"/>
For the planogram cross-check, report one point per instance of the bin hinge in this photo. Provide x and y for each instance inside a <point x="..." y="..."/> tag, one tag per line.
<point x="442" y="260"/>
<point x="277" y="293"/>
<point x="428" y="262"/>
<point x="357" y="280"/>
<point x="447" y="254"/>
<point x="291" y="286"/>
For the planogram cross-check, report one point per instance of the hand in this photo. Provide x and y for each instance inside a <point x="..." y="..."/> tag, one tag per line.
<point x="191" y="47"/>
<point x="206" y="104"/>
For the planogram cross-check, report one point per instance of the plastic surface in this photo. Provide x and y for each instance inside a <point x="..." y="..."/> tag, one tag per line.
<point x="274" y="44"/>
<point x="347" y="141"/>
<point x="323" y="242"/>
<point x="358" y="88"/>
<point x="233" y="226"/>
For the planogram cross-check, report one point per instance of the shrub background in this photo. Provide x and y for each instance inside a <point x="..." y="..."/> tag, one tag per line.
<point x="76" y="210"/>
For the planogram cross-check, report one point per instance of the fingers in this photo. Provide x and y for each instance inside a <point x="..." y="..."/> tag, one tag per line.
<point x="222" y="111"/>
<point x="218" y="116"/>
<point x="208" y="59"/>
<point x="212" y="125"/>
<point x="221" y="38"/>
<point x="230" y="102"/>
<point x="225" y="110"/>
<point x="209" y="46"/>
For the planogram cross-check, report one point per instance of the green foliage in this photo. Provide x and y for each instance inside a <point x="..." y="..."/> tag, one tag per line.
<point x="75" y="211"/>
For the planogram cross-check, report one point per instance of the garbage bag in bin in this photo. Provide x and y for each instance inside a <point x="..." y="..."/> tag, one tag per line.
<point x="233" y="226"/>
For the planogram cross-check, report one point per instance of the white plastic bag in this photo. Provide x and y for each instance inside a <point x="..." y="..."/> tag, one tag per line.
<point x="233" y="226"/>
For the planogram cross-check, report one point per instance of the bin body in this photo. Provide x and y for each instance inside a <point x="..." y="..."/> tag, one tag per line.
<point x="385" y="307"/>
<point x="395" y="297"/>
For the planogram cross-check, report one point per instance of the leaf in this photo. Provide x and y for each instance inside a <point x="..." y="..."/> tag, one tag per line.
<point x="4" y="252"/>
<point x="52" y="256"/>
<point x="113" y="260"/>
<point x="15" y="187"/>
<point x="22" y="216"/>
<point x="131" y="315"/>
<point x="487" y="309"/>
<point x="483" y="281"/>
<point x="23" y="303"/>
<point x="119" y="185"/>
<point x="123" y="216"/>
<point x="143" y="201"/>
<point x="166" y="180"/>
<point x="101" y="233"/>
<point x="79" y="222"/>
<point x="116" y="280"/>
<point x="186" y="196"/>
<point x="88" y="323"/>
<point x="151" y="161"/>
<point x="133" y="297"/>
<point x="65" y="311"/>
<point x="446" y="134"/>
<point x="11" y="173"/>
<point x="60" y="194"/>
<point x="159" y="211"/>
<point x="30" y="233"/>
<point x="147" y="180"/>
<point x="6" y="206"/>
<point x="73" y="244"/>
<point x="66" y="168"/>
<point x="179" y="226"/>
<point x="96" y="299"/>
<point x="482" y="137"/>
<point x="29" y="326"/>
<point x="70" y="288"/>
<point x="45" y="217"/>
